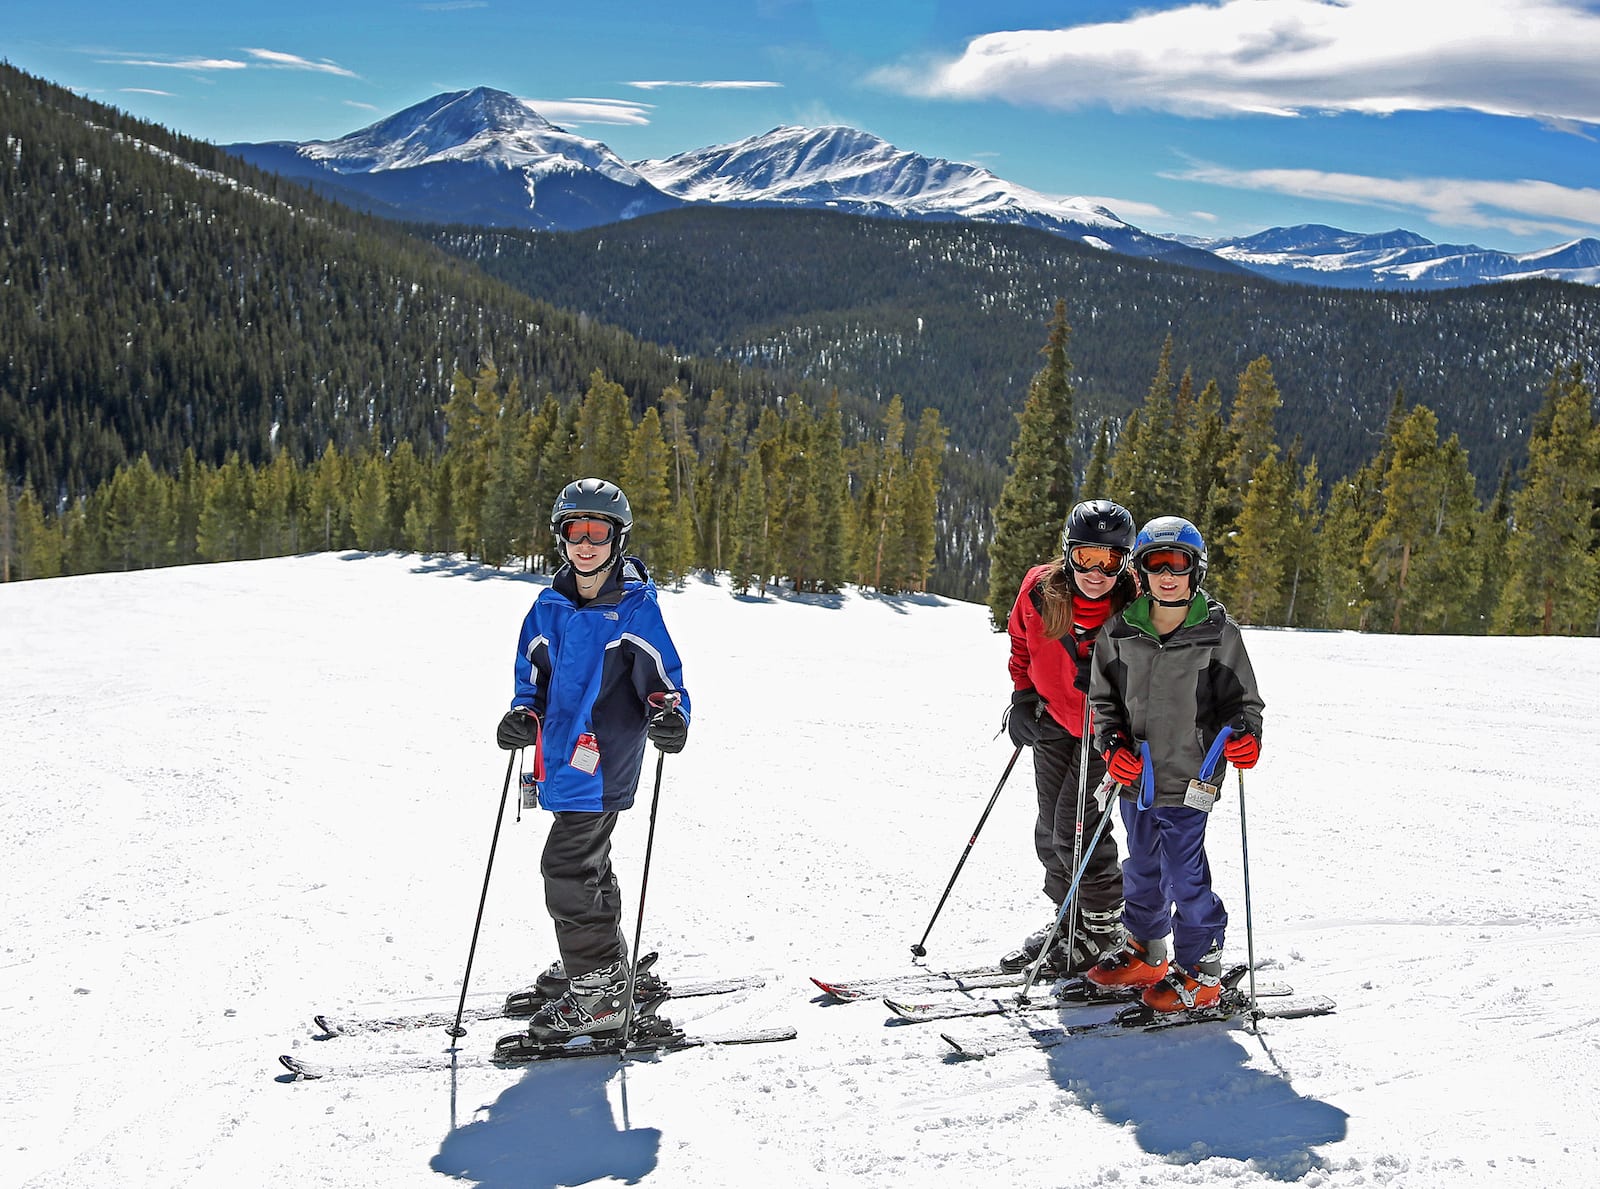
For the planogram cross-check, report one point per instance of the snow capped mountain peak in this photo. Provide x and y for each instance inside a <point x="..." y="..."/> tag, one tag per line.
<point x="481" y="125"/>
<point x="848" y="168"/>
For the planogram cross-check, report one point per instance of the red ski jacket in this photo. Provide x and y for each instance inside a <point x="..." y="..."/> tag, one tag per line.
<point x="1058" y="670"/>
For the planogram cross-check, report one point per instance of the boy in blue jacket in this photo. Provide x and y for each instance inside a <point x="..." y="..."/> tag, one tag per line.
<point x="592" y="653"/>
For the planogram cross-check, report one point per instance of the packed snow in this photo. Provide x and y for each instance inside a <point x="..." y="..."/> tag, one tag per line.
<point x="234" y="796"/>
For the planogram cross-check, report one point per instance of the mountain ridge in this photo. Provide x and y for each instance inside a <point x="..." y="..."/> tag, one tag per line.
<point x="486" y="157"/>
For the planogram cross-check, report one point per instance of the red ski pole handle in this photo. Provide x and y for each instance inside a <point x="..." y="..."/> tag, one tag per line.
<point x="665" y="700"/>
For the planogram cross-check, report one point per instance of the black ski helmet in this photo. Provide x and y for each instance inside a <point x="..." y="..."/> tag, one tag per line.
<point x="593" y="497"/>
<point x="1098" y="522"/>
<point x="1173" y="532"/>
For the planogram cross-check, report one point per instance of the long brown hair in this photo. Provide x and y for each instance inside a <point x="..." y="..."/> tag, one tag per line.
<point x="1056" y="589"/>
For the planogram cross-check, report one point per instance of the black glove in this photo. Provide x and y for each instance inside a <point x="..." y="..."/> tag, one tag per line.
<point x="519" y="728"/>
<point x="1022" y="719"/>
<point x="668" y="730"/>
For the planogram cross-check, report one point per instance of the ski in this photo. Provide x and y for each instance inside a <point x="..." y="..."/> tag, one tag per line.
<point x="1235" y="1004"/>
<point x="520" y="1003"/>
<point x="1073" y="992"/>
<point x="300" y="1069"/>
<point x="923" y="981"/>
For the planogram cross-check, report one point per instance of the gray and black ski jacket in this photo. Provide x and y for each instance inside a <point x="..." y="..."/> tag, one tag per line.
<point x="1175" y="694"/>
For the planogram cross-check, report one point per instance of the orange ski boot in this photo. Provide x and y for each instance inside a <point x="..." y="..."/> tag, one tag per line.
<point x="1184" y="990"/>
<point x="1137" y="964"/>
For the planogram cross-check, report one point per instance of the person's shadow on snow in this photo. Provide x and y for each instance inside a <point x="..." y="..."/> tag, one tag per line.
<point x="1190" y="1095"/>
<point x="553" y="1127"/>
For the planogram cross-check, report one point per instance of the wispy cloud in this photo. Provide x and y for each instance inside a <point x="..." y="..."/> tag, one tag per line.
<point x="1524" y="207"/>
<point x="179" y="63"/>
<point x="148" y="91"/>
<point x="1527" y="58"/>
<point x="362" y="106"/>
<point x="592" y="111"/>
<point x="705" y="85"/>
<point x="282" y="61"/>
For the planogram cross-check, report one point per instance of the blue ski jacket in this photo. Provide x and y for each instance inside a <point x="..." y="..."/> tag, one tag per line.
<point x="591" y="669"/>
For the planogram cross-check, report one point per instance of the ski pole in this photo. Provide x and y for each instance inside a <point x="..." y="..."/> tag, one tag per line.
<point x="1249" y="921"/>
<point x="660" y="701"/>
<point x="919" y="949"/>
<point x="1066" y="902"/>
<point x="511" y="766"/>
<point x="1077" y="831"/>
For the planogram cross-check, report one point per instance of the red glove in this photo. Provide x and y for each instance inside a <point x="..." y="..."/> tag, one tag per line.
<point x="1242" y="750"/>
<point x="1124" y="766"/>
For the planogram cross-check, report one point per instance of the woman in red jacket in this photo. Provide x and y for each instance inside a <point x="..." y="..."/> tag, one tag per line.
<point x="1057" y="615"/>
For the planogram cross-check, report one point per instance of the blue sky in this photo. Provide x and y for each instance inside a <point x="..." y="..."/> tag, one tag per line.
<point x="1469" y="121"/>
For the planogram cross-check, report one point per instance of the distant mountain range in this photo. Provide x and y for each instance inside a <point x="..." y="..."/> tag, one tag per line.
<point x="485" y="157"/>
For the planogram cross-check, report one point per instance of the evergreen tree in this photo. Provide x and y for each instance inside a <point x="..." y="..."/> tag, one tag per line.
<point x="645" y="477"/>
<point x="1257" y="550"/>
<point x="369" y="512"/>
<point x="1551" y="560"/>
<point x="1418" y="554"/>
<point x="1097" y="475"/>
<point x="225" y="530"/>
<point x="750" y="552"/>
<point x="40" y="544"/>
<point x="1038" y="494"/>
<point x="831" y="496"/>
<point x="604" y="430"/>
<point x="501" y="520"/>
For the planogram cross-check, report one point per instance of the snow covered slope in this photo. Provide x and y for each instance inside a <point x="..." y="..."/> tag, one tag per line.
<point x="232" y="796"/>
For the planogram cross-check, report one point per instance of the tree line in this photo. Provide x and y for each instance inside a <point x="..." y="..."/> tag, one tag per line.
<point x="1402" y="544"/>
<point x="764" y="494"/>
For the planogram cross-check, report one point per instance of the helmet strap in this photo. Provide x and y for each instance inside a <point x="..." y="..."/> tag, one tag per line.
<point x="617" y="542"/>
<point x="1171" y="602"/>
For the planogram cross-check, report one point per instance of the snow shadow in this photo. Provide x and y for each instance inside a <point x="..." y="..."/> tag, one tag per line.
<point x="1195" y="1097"/>
<point x="553" y="1127"/>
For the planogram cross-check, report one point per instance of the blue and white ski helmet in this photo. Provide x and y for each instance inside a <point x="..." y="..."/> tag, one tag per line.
<point x="1173" y="532"/>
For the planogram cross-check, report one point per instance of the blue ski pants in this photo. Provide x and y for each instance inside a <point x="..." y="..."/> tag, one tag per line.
<point x="1166" y="880"/>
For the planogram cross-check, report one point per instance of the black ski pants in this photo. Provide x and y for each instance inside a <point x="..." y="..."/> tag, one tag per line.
<point x="581" y="892"/>
<point x="1055" y="774"/>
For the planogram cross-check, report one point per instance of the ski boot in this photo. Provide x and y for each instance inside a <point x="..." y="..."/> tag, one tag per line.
<point x="1185" y="990"/>
<point x="553" y="983"/>
<point x="1137" y="964"/>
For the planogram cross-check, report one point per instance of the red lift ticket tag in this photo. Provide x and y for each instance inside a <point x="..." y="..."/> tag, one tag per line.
<point x="586" y="754"/>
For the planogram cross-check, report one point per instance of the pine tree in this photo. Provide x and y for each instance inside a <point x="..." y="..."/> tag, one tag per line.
<point x="604" y="430"/>
<point x="645" y="478"/>
<point x="1551" y="559"/>
<point x="831" y="495"/>
<point x="369" y="512"/>
<point x="750" y="552"/>
<point x="1418" y="553"/>
<point x="1257" y="551"/>
<point x="1097" y="475"/>
<point x="1038" y="494"/>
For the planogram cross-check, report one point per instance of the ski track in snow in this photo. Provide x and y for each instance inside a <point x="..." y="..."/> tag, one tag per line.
<point x="234" y="796"/>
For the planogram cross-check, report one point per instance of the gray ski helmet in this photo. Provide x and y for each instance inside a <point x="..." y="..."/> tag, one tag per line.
<point x="592" y="497"/>
<point x="1173" y="532"/>
<point x="1098" y="522"/>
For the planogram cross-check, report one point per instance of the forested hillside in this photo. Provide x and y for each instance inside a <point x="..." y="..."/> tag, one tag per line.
<point x="953" y="316"/>
<point x="160" y="295"/>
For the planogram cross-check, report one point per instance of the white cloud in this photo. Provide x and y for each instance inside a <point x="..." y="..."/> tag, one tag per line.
<point x="1529" y="58"/>
<point x="178" y="63"/>
<point x="708" y="85"/>
<point x="148" y="91"/>
<point x="1524" y="206"/>
<point x="591" y="111"/>
<point x="285" y="61"/>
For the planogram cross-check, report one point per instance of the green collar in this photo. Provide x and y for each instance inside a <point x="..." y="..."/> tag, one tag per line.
<point x="1138" y="614"/>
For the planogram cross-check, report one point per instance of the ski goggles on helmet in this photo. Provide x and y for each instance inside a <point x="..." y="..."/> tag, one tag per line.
<point x="597" y="531"/>
<point x="1173" y="561"/>
<point x="1088" y="558"/>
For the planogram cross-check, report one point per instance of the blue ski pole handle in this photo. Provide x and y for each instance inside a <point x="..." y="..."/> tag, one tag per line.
<point x="1147" y="778"/>
<point x="1209" y="768"/>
